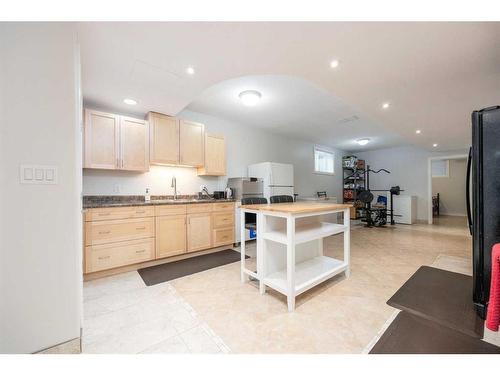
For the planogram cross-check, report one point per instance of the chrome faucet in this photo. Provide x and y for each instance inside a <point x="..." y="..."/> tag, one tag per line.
<point x="174" y="185"/>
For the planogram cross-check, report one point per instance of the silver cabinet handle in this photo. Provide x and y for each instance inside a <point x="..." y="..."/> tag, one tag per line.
<point x="104" y="213"/>
<point x="140" y="251"/>
<point x="140" y="228"/>
<point x="104" y="232"/>
<point x="105" y="257"/>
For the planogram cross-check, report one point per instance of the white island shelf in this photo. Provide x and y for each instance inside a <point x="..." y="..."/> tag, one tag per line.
<point x="290" y="237"/>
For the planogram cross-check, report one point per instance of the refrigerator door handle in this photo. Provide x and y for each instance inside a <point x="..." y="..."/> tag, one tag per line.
<point x="467" y="190"/>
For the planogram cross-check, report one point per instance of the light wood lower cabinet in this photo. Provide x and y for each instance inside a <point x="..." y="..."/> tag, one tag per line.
<point x="100" y="232"/>
<point x="199" y="231"/>
<point x="170" y="235"/>
<point x="120" y="236"/>
<point x="117" y="254"/>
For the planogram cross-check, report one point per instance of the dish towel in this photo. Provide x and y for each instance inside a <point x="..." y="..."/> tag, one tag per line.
<point x="493" y="317"/>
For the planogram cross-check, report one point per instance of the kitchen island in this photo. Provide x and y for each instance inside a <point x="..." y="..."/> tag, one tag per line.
<point x="290" y="237"/>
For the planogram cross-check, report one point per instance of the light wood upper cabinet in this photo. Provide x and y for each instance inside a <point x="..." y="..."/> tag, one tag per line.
<point x="101" y="140"/>
<point x="163" y="138"/>
<point x="115" y="142"/>
<point x="215" y="156"/>
<point x="199" y="231"/>
<point x="134" y="140"/>
<point x="191" y="143"/>
<point x="170" y="235"/>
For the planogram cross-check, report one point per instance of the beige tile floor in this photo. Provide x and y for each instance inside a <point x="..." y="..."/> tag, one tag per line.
<point x="213" y="311"/>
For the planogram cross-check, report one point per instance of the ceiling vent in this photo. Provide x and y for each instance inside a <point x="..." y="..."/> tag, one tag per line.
<point x="345" y="120"/>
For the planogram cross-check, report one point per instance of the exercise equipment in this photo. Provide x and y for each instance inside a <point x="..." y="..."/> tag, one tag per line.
<point x="376" y="214"/>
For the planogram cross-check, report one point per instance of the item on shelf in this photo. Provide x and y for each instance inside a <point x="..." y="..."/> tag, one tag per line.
<point x="360" y="164"/>
<point x="349" y="161"/>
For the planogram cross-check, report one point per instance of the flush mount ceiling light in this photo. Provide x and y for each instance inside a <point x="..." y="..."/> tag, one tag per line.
<point x="250" y="97"/>
<point x="190" y="70"/>
<point x="418" y="131"/>
<point x="435" y="145"/>
<point x="363" y="141"/>
<point x="385" y="105"/>
<point x="334" y="64"/>
<point x="130" y="101"/>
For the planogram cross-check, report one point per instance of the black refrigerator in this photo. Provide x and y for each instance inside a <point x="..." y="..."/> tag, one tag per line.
<point x="483" y="176"/>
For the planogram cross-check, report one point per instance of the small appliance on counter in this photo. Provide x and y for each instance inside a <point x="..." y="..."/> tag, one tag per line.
<point x="219" y="194"/>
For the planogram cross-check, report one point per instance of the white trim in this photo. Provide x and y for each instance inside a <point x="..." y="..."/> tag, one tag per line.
<point x="429" y="179"/>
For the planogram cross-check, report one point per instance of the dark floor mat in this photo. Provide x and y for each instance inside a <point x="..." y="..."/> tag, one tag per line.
<point x="409" y="334"/>
<point x="169" y="271"/>
<point x="443" y="297"/>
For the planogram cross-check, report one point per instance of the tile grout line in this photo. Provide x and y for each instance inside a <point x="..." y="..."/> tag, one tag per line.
<point x="217" y="339"/>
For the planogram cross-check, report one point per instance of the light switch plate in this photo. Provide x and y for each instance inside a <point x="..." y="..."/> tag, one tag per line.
<point x="38" y="174"/>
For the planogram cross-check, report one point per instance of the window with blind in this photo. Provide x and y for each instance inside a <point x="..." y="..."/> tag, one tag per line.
<point x="323" y="161"/>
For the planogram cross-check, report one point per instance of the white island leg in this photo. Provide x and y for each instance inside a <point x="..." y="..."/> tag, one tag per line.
<point x="290" y="262"/>
<point x="244" y="276"/>
<point x="347" y="241"/>
<point x="261" y="251"/>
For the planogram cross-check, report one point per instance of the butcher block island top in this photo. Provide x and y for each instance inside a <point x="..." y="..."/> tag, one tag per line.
<point x="297" y="207"/>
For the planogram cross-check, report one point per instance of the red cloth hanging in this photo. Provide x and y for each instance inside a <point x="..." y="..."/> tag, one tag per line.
<point x="493" y="317"/>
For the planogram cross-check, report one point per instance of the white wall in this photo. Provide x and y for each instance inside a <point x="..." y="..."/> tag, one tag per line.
<point x="244" y="146"/>
<point x="451" y="189"/>
<point x="40" y="242"/>
<point x="408" y="166"/>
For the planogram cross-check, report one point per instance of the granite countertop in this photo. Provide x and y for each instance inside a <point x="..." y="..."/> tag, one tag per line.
<point x="98" y="201"/>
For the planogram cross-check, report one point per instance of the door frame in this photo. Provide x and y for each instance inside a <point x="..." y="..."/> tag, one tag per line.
<point x="429" y="179"/>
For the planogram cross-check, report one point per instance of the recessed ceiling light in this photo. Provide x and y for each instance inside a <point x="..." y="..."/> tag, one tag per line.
<point x="250" y="97"/>
<point x="435" y="145"/>
<point x="418" y="131"/>
<point x="334" y="64"/>
<point x="129" y="101"/>
<point x="385" y="105"/>
<point x="190" y="70"/>
<point x="363" y="141"/>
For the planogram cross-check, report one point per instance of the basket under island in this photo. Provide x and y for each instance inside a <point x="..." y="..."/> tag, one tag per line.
<point x="290" y="237"/>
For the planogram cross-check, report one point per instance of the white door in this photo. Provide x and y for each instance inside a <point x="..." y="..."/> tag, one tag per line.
<point x="281" y="174"/>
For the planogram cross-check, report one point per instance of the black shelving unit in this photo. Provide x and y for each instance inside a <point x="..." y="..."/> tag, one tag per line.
<point x="353" y="179"/>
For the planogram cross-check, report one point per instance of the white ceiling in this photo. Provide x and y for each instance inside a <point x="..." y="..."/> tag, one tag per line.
<point x="433" y="74"/>
<point x="295" y="107"/>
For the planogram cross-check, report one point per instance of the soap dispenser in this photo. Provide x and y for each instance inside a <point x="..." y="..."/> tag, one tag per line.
<point x="147" y="197"/>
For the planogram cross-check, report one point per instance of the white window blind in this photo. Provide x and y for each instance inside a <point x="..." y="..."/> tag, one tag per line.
<point x="440" y="168"/>
<point x="323" y="161"/>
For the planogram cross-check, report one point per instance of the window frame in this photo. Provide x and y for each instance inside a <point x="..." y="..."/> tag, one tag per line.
<point x="447" y="164"/>
<point x="324" y="150"/>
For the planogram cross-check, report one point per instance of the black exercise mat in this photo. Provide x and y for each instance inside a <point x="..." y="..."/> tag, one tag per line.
<point x="441" y="296"/>
<point x="410" y="334"/>
<point x="164" y="272"/>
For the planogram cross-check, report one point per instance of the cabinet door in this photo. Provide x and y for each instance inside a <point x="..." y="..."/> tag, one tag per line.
<point x="164" y="139"/>
<point x="170" y="235"/>
<point x="134" y="139"/>
<point x="199" y="231"/>
<point x="101" y="140"/>
<point x="215" y="156"/>
<point x="191" y="143"/>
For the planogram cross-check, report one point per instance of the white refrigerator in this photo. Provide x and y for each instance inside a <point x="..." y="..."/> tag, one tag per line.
<point x="278" y="178"/>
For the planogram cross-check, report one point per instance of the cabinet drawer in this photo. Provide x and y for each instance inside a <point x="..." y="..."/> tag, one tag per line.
<point x="176" y="209"/>
<point x="199" y="207"/>
<point x="223" y="219"/>
<point x="225" y="206"/>
<point x="102" y="257"/>
<point x="100" y="232"/>
<point x="112" y="213"/>
<point x="223" y="236"/>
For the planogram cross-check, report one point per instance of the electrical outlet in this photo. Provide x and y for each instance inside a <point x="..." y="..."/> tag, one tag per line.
<point x="116" y="188"/>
